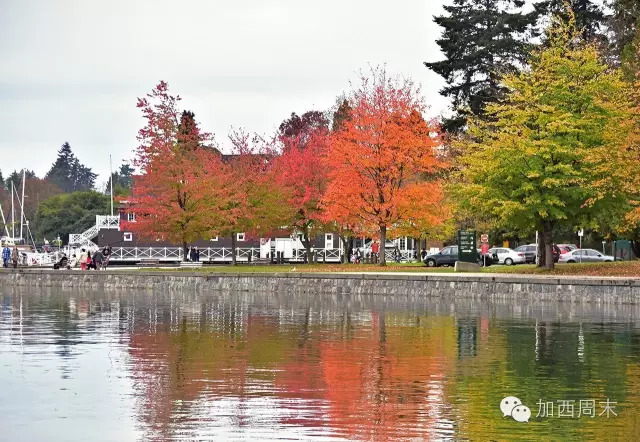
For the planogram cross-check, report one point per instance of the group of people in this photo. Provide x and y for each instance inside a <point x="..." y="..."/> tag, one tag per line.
<point x="10" y="255"/>
<point x="194" y="254"/>
<point x="357" y="255"/>
<point x="98" y="261"/>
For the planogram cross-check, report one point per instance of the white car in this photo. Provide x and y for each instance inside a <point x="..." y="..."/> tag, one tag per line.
<point x="508" y="256"/>
<point x="585" y="255"/>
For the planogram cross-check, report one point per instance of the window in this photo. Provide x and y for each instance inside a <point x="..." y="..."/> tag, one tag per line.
<point x="329" y="237"/>
<point x="215" y="238"/>
<point x="240" y="236"/>
<point x="403" y="243"/>
<point x="131" y="217"/>
<point x="128" y="236"/>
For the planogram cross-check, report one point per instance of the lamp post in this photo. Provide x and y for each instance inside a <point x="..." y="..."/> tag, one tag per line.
<point x="603" y="244"/>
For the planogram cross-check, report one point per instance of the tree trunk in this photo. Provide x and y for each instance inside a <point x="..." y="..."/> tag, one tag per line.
<point x="635" y="246"/>
<point x="345" y="249"/>
<point x="185" y="251"/>
<point x="540" y="251"/>
<point x="307" y="245"/>
<point x="547" y="233"/>
<point x="383" y="240"/>
<point x="233" y="248"/>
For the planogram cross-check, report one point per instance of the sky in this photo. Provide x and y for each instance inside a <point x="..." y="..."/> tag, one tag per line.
<point x="71" y="70"/>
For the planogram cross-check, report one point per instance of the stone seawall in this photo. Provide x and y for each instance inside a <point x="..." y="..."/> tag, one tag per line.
<point x="479" y="286"/>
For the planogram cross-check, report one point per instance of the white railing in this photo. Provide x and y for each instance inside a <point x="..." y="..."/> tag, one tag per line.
<point x="209" y="254"/>
<point x="108" y="222"/>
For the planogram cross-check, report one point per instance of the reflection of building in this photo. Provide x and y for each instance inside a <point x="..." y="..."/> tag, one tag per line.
<point x="467" y="336"/>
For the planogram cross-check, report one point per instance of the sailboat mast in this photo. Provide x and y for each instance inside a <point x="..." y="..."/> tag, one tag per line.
<point x="22" y="202"/>
<point x="111" y="183"/>
<point x="13" y="214"/>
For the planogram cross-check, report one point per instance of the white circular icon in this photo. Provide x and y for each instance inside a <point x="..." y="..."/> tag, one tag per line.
<point x="507" y="404"/>
<point x="521" y="413"/>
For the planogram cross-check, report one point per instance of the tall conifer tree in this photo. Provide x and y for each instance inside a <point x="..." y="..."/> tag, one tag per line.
<point x="482" y="41"/>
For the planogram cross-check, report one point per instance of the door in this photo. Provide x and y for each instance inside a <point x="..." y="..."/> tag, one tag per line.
<point x="328" y="241"/>
<point x="452" y="256"/>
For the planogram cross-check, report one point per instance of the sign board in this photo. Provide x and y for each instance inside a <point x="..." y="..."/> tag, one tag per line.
<point x="581" y="233"/>
<point x="484" y="238"/>
<point x="467" y="251"/>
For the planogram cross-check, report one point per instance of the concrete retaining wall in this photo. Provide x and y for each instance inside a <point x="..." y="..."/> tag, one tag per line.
<point x="493" y="287"/>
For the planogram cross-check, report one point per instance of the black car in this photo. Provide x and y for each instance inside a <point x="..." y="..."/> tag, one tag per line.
<point x="449" y="255"/>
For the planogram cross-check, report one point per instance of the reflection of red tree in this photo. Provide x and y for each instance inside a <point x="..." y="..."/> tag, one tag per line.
<point x="379" y="384"/>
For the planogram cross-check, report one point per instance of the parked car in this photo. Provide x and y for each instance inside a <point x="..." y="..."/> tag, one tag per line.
<point x="529" y="251"/>
<point x="585" y="255"/>
<point x="449" y="255"/>
<point x="508" y="256"/>
<point x="566" y="248"/>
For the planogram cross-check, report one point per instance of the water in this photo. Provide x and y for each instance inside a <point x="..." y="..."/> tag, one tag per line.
<point x="119" y="366"/>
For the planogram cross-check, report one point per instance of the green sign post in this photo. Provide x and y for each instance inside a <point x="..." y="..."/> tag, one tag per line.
<point x="467" y="251"/>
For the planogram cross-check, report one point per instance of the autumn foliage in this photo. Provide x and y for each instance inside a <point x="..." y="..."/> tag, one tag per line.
<point x="382" y="162"/>
<point x="183" y="184"/>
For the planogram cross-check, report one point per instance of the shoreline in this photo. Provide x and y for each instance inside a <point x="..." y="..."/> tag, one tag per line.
<point x="617" y="290"/>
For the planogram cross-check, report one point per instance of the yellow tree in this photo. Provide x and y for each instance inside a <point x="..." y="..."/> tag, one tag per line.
<point x="555" y="151"/>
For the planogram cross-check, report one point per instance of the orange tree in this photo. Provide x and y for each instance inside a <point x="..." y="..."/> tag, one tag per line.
<point x="183" y="185"/>
<point x="382" y="163"/>
<point x="258" y="202"/>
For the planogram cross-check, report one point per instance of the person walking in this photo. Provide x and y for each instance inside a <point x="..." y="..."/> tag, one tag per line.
<point x="358" y="256"/>
<point x="396" y="254"/>
<point x="83" y="259"/>
<point x="97" y="260"/>
<point x="6" y="255"/>
<point x="14" y="257"/>
<point x="197" y="254"/>
<point x="106" y="254"/>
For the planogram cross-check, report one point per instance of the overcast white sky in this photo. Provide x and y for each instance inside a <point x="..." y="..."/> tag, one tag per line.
<point x="70" y="70"/>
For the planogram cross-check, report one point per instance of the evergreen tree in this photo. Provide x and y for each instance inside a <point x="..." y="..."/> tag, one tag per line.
<point x="122" y="181"/>
<point x="589" y="15"/>
<point x="1" y="180"/>
<point x="341" y="115"/>
<point x="482" y="41"/>
<point x="625" y="31"/>
<point x="69" y="174"/>
<point x="16" y="177"/>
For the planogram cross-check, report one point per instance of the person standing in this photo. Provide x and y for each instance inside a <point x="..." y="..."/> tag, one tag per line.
<point x="6" y="255"/>
<point x="83" y="259"/>
<point x="375" y="248"/>
<point x="89" y="260"/>
<point x="14" y="257"/>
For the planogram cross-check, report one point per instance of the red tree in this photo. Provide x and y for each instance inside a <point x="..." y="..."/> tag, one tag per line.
<point x="301" y="172"/>
<point x="382" y="162"/>
<point x="183" y="184"/>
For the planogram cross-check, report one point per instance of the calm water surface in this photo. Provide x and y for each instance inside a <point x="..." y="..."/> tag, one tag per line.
<point x="119" y="366"/>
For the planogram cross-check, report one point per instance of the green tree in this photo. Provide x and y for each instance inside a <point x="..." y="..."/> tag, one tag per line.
<point x="69" y="174"/>
<point x="482" y="41"/>
<point x="554" y="153"/>
<point x="70" y="213"/>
